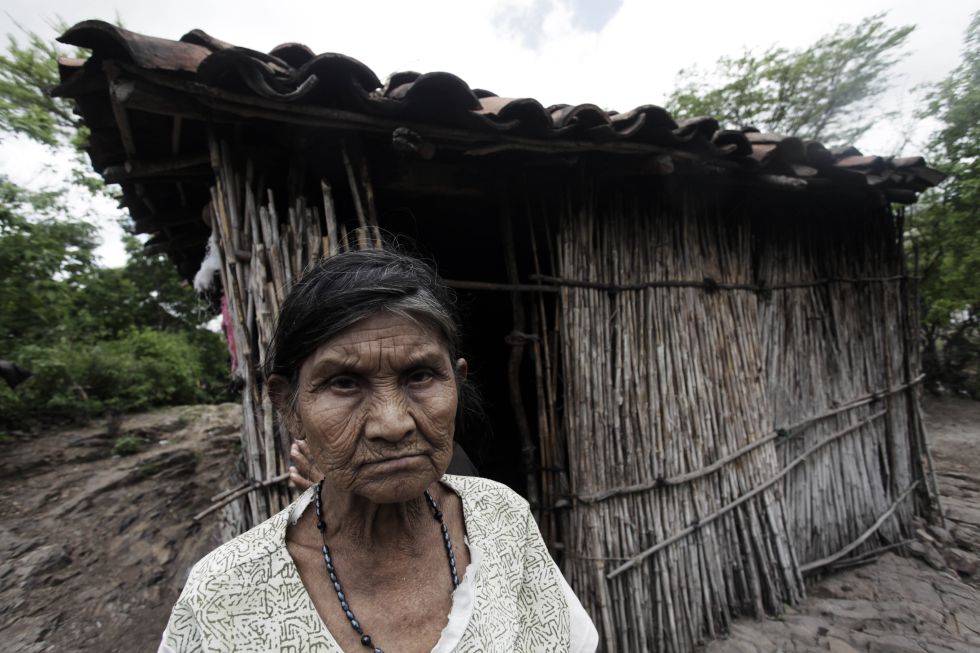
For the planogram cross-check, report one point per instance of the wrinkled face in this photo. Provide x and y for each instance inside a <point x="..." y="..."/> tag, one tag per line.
<point x="377" y="405"/>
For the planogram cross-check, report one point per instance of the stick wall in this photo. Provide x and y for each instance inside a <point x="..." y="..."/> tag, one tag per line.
<point x="825" y="346"/>
<point x="724" y="387"/>
<point x="738" y="402"/>
<point x="660" y="382"/>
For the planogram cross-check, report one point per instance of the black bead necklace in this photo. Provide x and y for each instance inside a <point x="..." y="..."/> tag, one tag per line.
<point x="332" y="572"/>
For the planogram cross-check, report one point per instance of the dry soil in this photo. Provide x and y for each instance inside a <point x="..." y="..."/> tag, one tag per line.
<point x="94" y="547"/>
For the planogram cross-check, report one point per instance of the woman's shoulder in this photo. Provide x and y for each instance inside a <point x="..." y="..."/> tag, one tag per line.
<point x="238" y="558"/>
<point x="490" y="508"/>
<point x="486" y="491"/>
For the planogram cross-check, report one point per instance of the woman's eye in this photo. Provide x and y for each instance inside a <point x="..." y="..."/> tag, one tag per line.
<point x="420" y="376"/>
<point x="342" y="383"/>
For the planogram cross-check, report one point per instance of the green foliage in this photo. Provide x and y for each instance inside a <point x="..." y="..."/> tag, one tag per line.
<point x="96" y="339"/>
<point x="824" y="92"/>
<point x="127" y="446"/>
<point x="140" y="370"/>
<point x="956" y="102"/>
<point x="52" y="291"/>
<point x="945" y="229"/>
<point x="28" y="72"/>
<point x="43" y="261"/>
<point x="146" y="293"/>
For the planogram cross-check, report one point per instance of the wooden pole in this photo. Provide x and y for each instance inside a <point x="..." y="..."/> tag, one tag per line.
<point x="516" y="340"/>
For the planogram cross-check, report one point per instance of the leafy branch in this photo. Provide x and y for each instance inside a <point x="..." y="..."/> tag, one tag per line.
<point x="826" y="91"/>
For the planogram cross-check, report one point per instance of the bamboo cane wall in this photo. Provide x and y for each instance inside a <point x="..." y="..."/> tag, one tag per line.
<point x="700" y="442"/>
<point x="658" y="383"/>
<point x="739" y="401"/>
<point x="836" y="344"/>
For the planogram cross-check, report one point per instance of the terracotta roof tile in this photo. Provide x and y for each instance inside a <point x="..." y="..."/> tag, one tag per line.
<point x="108" y="41"/>
<point x="291" y="73"/>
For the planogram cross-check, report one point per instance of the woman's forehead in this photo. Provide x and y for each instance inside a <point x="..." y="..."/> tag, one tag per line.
<point x="382" y="335"/>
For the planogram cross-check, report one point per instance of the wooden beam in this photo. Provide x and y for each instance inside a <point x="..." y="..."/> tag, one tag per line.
<point x="118" y="90"/>
<point x="459" y="284"/>
<point x="243" y="106"/>
<point x="175" y="135"/>
<point x="144" y="197"/>
<point x="154" y="224"/>
<point x="135" y="169"/>
<point x="652" y="166"/>
<point x="183" y="194"/>
<point x="141" y="96"/>
<point x="156" y="246"/>
<point x="782" y="181"/>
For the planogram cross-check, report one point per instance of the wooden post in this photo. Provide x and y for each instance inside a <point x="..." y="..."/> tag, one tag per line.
<point x="516" y="340"/>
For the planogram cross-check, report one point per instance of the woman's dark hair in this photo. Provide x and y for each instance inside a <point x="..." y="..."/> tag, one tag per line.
<point x="342" y="290"/>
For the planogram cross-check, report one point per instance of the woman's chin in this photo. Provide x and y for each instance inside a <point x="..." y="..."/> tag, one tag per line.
<point x="397" y="480"/>
<point x="397" y="487"/>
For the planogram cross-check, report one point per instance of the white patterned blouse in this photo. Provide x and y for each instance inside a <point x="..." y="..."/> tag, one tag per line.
<point x="247" y="596"/>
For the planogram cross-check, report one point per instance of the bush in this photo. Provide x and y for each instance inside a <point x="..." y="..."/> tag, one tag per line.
<point x="951" y="357"/>
<point x="140" y="370"/>
<point x="127" y="446"/>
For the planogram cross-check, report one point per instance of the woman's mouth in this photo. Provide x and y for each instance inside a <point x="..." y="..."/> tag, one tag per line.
<point x="395" y="463"/>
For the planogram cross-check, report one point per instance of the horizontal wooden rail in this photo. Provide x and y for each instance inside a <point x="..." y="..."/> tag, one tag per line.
<point x="646" y="553"/>
<point x="795" y="431"/>
<point x="782" y="435"/>
<point x="503" y="287"/>
<point x="241" y="491"/>
<point x="548" y="284"/>
<point x="829" y="560"/>
<point x="708" y="284"/>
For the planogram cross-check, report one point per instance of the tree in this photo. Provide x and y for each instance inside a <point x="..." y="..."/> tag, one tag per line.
<point x="42" y="263"/>
<point x="824" y="92"/>
<point x="145" y="293"/>
<point x="96" y="338"/>
<point x="28" y="72"/>
<point x="945" y="229"/>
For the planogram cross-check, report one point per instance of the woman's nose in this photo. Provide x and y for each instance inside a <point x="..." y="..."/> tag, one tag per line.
<point x="389" y="418"/>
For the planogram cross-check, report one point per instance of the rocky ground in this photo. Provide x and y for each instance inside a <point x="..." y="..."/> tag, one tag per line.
<point x="926" y="602"/>
<point x="94" y="545"/>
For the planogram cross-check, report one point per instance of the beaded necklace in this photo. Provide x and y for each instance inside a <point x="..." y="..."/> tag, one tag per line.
<point x="332" y="571"/>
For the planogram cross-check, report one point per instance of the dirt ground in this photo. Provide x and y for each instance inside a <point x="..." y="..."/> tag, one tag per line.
<point x="926" y="602"/>
<point x="94" y="547"/>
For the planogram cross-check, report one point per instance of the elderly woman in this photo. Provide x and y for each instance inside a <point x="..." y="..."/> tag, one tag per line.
<point x="386" y="552"/>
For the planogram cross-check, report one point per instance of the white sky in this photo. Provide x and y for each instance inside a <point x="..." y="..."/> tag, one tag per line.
<point x="614" y="53"/>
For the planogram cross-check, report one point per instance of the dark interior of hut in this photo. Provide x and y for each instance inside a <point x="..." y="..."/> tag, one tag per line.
<point x="464" y="240"/>
<point x="456" y="226"/>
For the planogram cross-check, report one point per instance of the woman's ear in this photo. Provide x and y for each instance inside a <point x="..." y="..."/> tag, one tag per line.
<point x="280" y="393"/>
<point x="462" y="369"/>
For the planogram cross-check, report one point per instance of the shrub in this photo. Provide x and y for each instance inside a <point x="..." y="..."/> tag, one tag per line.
<point x="127" y="445"/>
<point x="137" y="371"/>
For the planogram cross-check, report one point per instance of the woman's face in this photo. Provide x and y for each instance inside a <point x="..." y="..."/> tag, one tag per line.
<point x="377" y="406"/>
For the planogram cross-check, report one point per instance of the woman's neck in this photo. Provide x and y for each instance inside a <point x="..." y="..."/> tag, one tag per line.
<point x="370" y="525"/>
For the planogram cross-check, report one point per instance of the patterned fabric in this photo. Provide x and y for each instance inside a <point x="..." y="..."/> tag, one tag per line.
<point x="247" y="595"/>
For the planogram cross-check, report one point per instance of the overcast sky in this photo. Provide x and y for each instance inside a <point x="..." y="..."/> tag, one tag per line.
<point x="614" y="53"/>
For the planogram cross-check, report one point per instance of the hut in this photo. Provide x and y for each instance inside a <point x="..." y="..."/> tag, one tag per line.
<point x="698" y="345"/>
